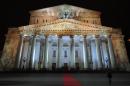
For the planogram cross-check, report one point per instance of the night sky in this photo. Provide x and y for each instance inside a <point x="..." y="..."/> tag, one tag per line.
<point x="15" y="13"/>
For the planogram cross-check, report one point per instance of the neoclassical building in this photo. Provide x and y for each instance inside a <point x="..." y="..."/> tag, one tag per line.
<point x="64" y="36"/>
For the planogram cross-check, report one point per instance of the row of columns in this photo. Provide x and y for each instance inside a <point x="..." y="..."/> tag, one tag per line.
<point x="96" y="52"/>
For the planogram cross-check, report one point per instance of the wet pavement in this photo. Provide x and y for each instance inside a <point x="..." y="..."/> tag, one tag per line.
<point x="63" y="79"/>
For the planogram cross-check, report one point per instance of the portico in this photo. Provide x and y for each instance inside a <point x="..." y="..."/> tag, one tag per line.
<point x="65" y="35"/>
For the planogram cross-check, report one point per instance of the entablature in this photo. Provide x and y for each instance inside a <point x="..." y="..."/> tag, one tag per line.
<point x="65" y="26"/>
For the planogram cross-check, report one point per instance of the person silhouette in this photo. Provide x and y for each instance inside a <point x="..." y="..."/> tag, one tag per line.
<point x="109" y="75"/>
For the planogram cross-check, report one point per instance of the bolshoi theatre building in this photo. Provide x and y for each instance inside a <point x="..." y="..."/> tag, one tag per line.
<point x="64" y="36"/>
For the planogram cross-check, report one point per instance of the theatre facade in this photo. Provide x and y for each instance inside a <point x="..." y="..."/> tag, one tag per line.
<point x="64" y="36"/>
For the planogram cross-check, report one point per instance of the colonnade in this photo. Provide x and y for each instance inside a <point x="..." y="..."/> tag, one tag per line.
<point x="86" y="52"/>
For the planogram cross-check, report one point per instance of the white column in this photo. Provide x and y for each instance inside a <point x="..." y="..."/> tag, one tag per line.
<point x="29" y="51"/>
<point x="37" y="53"/>
<point x="19" y="53"/>
<point x="98" y="53"/>
<point x="85" y="58"/>
<point x="42" y="52"/>
<point x="88" y="50"/>
<point x="25" y="54"/>
<point x="71" y="53"/>
<point x="73" y="64"/>
<point x="94" y="52"/>
<point x="33" y="53"/>
<point x="59" y="53"/>
<point x="105" y="51"/>
<point x="93" y="41"/>
<point x="46" y="53"/>
<point x="111" y="53"/>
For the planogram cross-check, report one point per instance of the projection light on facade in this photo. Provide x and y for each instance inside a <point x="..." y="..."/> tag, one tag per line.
<point x="62" y="36"/>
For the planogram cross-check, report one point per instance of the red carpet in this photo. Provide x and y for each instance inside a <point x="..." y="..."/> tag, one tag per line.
<point x="69" y="80"/>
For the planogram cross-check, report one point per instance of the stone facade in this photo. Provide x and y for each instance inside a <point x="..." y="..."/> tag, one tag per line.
<point x="64" y="35"/>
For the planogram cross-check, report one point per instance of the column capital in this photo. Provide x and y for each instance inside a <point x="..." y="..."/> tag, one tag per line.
<point x="90" y="36"/>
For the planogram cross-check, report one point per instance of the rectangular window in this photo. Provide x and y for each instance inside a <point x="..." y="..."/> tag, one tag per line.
<point x="54" y="53"/>
<point x="65" y="53"/>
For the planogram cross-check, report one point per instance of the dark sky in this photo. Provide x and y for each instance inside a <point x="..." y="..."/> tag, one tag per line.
<point x="16" y="13"/>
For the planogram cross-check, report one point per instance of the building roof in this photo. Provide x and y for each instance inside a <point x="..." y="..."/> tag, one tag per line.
<point x="64" y="7"/>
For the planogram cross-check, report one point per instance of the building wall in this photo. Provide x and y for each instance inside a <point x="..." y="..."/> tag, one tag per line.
<point x="10" y="49"/>
<point x="85" y="22"/>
